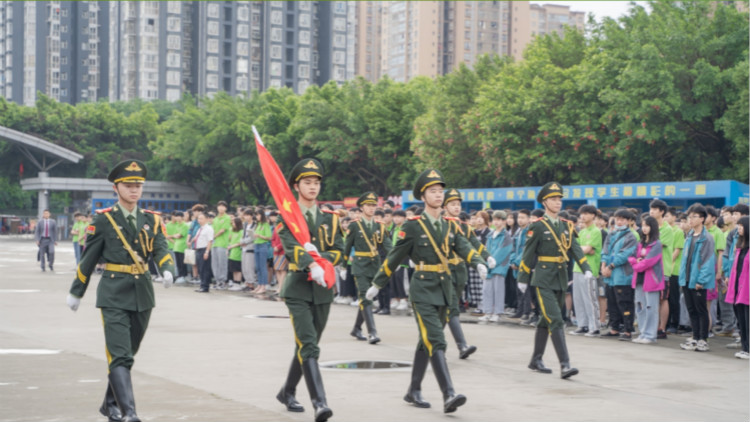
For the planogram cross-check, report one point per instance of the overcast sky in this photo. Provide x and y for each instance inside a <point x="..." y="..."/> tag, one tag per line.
<point x="600" y="9"/>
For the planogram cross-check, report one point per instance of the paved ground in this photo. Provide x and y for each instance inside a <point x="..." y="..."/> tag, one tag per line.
<point x="203" y="359"/>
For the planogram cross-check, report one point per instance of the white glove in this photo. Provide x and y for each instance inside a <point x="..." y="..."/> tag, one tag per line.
<point x="343" y="274"/>
<point x="491" y="262"/>
<point x="372" y="292"/>
<point x="589" y="276"/>
<point x="482" y="270"/>
<point x="522" y="287"/>
<point x="167" y="279"/>
<point x="310" y="247"/>
<point x="412" y="264"/>
<point x="73" y="302"/>
<point x="318" y="275"/>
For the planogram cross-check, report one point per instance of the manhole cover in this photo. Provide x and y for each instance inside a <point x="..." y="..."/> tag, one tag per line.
<point x="367" y="364"/>
<point x="266" y="316"/>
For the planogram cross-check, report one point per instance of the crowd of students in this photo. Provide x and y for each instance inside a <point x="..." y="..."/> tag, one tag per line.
<point x="667" y="271"/>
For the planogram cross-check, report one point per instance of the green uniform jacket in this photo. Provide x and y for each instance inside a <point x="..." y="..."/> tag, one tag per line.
<point x="327" y="237"/>
<point x="551" y="269"/>
<point x="366" y="243"/>
<point x="431" y="287"/>
<point x="120" y="290"/>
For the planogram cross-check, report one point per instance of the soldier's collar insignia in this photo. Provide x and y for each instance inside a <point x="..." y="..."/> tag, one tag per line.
<point x="311" y="165"/>
<point x="433" y="174"/>
<point x="133" y="167"/>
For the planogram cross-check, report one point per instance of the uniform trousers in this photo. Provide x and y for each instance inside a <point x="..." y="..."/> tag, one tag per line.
<point x="123" y="332"/>
<point x="586" y="302"/>
<point x="551" y="303"/>
<point x="431" y="320"/>
<point x="308" y="322"/>
<point x="460" y="276"/>
<point x="363" y="283"/>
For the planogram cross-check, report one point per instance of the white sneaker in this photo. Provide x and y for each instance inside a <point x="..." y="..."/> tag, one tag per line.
<point x="742" y="355"/>
<point x="689" y="344"/>
<point x="403" y="305"/>
<point x="180" y="280"/>
<point x="484" y="318"/>
<point x="495" y="318"/>
<point x="702" y="346"/>
<point x="235" y="287"/>
<point x="354" y="302"/>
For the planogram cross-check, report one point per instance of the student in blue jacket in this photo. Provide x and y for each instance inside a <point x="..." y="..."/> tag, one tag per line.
<point x="617" y="272"/>
<point x="697" y="276"/>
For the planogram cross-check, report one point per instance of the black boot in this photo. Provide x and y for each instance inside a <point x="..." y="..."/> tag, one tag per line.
<point x="109" y="407"/>
<point x="286" y="395"/>
<point x="315" y="387"/>
<point x="458" y="334"/>
<point x="372" y="337"/>
<point x="451" y="400"/>
<point x="414" y="395"/>
<point x="540" y="343"/>
<point x="558" y="340"/>
<point x="357" y="330"/>
<point x="122" y="387"/>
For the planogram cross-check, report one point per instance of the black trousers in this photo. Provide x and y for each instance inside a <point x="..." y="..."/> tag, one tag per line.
<point x="398" y="290"/>
<point x="204" y="267"/>
<point x="674" y="302"/>
<point x="741" y="312"/>
<point x="511" y="290"/>
<point x="695" y="302"/>
<point x="181" y="268"/>
<point x="620" y="306"/>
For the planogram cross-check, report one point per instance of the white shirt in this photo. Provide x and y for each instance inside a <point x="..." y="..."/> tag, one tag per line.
<point x="204" y="236"/>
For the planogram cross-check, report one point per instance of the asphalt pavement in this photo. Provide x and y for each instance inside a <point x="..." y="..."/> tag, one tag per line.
<point x="209" y="357"/>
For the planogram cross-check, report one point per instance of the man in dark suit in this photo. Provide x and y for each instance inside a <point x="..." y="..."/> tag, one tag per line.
<point x="46" y="238"/>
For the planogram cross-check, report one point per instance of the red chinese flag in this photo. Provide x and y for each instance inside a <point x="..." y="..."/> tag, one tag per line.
<point x="287" y="205"/>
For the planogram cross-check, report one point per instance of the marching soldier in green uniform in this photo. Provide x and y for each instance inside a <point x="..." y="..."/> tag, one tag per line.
<point x="366" y="237"/>
<point x="429" y="241"/>
<point x="452" y="205"/>
<point x="124" y="237"/>
<point x="551" y="243"/>
<point x="309" y="302"/>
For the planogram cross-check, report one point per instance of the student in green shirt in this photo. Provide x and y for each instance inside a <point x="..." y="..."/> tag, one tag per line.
<point x="585" y="296"/>
<point x="262" y="245"/>
<point x="235" y="254"/>
<point x="179" y="234"/>
<point x="658" y="209"/>
<point x="77" y="232"/>
<point x="222" y="225"/>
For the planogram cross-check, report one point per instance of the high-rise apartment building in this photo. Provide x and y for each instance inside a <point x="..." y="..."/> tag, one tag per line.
<point x="412" y="39"/>
<point x="53" y="47"/>
<point x="433" y="38"/>
<point x="368" y="36"/>
<point x="121" y="50"/>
